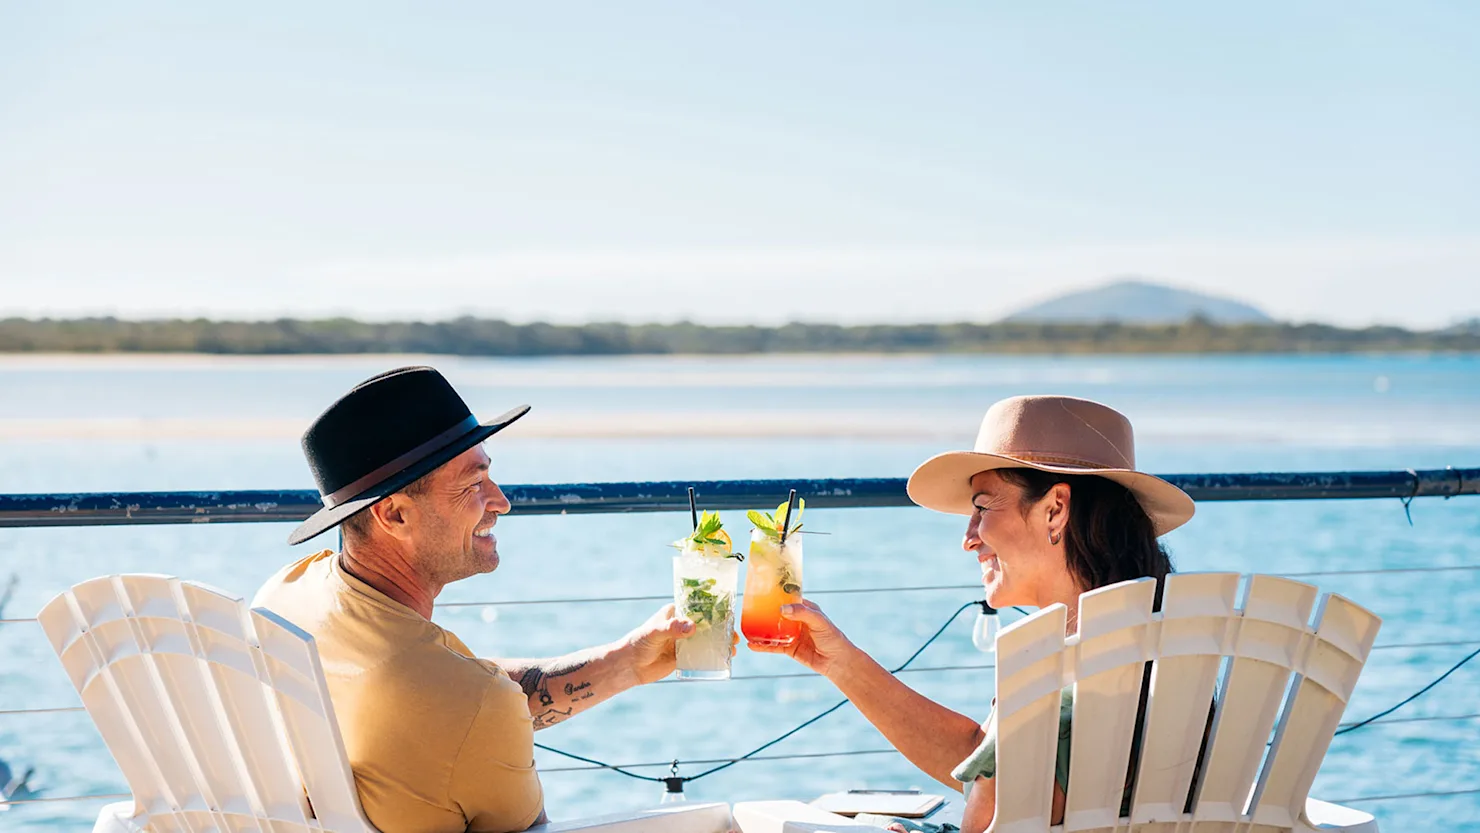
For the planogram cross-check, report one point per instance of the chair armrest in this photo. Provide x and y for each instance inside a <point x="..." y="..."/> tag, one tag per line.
<point x="1325" y="817"/>
<point x="119" y="818"/>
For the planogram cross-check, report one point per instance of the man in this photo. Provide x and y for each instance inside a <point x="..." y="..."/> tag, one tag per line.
<point x="438" y="739"/>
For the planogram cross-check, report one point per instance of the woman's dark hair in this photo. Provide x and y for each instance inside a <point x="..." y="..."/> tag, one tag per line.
<point x="1109" y="537"/>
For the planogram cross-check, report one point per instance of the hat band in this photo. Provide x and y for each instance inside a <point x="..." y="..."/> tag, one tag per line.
<point x="1054" y="460"/>
<point x="400" y="463"/>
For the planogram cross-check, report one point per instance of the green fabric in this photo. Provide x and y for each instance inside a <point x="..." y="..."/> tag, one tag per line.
<point x="983" y="762"/>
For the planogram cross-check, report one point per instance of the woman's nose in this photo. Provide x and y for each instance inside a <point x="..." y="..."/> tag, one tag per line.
<point x="971" y="540"/>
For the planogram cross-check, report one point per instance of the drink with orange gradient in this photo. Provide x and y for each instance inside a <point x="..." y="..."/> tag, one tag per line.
<point x="773" y="577"/>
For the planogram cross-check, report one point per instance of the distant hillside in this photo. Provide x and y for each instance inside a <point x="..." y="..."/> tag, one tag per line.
<point x="1461" y="328"/>
<point x="1134" y="301"/>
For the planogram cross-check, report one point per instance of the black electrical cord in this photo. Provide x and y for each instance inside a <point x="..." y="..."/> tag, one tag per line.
<point x="612" y="767"/>
<point x="1409" y="699"/>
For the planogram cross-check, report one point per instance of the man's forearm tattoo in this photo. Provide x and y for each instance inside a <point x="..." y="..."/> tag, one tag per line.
<point x="549" y="718"/>
<point x="535" y="681"/>
<point x="561" y="667"/>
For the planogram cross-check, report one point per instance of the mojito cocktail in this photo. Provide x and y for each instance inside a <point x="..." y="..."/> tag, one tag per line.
<point x="773" y="579"/>
<point x="705" y="575"/>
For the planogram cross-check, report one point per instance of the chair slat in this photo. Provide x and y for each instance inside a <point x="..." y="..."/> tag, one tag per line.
<point x="267" y="786"/>
<point x="1198" y="612"/>
<point x="1247" y="708"/>
<point x="1114" y="628"/>
<point x="308" y="719"/>
<point x="128" y="676"/>
<point x="1030" y="676"/>
<point x="1265" y="645"/>
<point x="1328" y="672"/>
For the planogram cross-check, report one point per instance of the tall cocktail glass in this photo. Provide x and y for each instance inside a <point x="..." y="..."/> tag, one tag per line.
<point x="773" y="578"/>
<point x="704" y="583"/>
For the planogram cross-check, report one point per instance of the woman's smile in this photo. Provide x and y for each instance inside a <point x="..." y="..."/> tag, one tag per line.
<point x="989" y="564"/>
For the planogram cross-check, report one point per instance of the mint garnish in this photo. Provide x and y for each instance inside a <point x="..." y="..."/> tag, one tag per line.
<point x="703" y="607"/>
<point x="709" y="524"/>
<point x="773" y="524"/>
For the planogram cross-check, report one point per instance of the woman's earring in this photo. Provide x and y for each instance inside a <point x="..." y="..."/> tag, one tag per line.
<point x="1055" y="539"/>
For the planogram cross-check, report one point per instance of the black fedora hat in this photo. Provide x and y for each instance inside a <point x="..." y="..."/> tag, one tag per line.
<point x="385" y="433"/>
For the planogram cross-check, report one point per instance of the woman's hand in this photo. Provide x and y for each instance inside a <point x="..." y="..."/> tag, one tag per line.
<point x="820" y="646"/>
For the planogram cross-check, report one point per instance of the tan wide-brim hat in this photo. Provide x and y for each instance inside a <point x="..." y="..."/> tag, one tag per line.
<point x="1050" y="433"/>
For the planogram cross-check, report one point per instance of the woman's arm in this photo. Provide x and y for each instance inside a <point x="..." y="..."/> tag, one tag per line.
<point x="981" y="806"/>
<point x="933" y="737"/>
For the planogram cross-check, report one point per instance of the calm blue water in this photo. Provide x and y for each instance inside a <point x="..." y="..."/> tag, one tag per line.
<point x="96" y="424"/>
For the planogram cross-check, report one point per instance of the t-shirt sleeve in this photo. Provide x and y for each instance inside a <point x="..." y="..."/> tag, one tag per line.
<point x="982" y="763"/>
<point x="494" y="779"/>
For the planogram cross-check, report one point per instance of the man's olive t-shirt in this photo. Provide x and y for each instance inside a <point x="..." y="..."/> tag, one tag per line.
<point x="438" y="739"/>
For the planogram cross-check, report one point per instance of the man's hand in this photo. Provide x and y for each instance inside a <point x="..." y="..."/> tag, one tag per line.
<point x="652" y="648"/>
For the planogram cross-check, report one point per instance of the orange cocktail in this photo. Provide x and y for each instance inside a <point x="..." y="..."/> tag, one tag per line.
<point x="773" y="577"/>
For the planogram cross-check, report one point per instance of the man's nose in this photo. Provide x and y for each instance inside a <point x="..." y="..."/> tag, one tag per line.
<point x="497" y="503"/>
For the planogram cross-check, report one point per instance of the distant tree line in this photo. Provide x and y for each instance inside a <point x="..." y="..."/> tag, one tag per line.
<point x="484" y="337"/>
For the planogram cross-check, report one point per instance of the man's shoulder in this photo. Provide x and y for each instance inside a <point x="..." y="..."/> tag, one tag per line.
<point x="379" y="654"/>
<point x="309" y="569"/>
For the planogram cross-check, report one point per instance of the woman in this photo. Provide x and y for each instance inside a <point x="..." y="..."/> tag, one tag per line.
<point x="1057" y="508"/>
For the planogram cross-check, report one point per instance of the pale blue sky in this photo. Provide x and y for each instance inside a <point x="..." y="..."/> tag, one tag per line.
<point x="736" y="162"/>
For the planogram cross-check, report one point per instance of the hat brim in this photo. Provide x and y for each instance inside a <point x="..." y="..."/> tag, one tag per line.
<point x="327" y="518"/>
<point x="943" y="483"/>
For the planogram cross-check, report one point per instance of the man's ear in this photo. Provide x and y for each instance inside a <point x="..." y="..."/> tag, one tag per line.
<point x="392" y="516"/>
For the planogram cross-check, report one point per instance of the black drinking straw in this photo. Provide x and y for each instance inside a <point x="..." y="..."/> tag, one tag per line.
<point x="791" y="509"/>
<point x="693" y="508"/>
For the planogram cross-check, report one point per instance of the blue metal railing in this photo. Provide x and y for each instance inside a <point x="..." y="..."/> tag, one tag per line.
<point x="260" y="506"/>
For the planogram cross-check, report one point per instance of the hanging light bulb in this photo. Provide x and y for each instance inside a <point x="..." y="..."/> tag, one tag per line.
<point x="673" y="791"/>
<point x="673" y="787"/>
<point x="984" y="631"/>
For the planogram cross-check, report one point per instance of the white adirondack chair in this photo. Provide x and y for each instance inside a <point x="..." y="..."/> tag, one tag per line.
<point x="1266" y="639"/>
<point x="220" y="719"/>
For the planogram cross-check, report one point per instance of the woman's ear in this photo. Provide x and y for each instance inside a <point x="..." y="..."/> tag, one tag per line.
<point x="1056" y="504"/>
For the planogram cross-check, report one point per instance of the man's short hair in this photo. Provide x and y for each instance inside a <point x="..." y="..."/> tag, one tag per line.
<point x="357" y="526"/>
